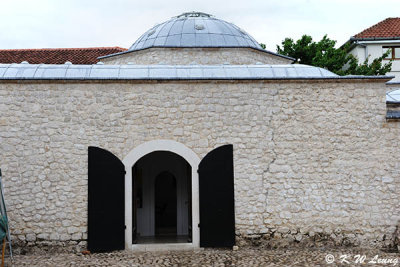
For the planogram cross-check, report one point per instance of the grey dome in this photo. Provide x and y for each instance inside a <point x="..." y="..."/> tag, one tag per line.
<point x="195" y="29"/>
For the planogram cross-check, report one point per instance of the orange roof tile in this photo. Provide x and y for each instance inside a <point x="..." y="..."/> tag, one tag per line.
<point x="57" y="55"/>
<point x="385" y="29"/>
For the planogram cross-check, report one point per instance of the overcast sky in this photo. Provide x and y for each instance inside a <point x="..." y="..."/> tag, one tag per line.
<point x="90" y="23"/>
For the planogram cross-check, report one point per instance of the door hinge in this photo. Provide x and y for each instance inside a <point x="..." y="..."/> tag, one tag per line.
<point x="198" y="225"/>
<point x="124" y="226"/>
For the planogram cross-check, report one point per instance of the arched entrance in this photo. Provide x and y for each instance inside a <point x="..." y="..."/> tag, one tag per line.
<point x="157" y="157"/>
<point x="113" y="197"/>
<point x="161" y="204"/>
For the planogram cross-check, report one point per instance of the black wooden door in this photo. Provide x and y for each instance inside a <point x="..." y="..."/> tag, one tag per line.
<point x="106" y="209"/>
<point x="216" y="193"/>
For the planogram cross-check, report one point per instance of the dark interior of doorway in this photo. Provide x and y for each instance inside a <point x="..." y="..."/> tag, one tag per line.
<point x="165" y="205"/>
<point x="165" y="189"/>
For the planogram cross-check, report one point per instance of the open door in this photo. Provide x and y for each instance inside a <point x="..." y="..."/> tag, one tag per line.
<point x="106" y="209"/>
<point x="216" y="193"/>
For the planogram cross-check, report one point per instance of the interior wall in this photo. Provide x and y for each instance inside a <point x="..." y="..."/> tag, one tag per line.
<point x="150" y="166"/>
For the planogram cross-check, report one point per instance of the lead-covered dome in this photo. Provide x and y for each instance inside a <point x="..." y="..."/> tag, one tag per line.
<point x="195" y="29"/>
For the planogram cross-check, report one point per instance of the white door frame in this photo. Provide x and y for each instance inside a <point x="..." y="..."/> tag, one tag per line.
<point x="192" y="159"/>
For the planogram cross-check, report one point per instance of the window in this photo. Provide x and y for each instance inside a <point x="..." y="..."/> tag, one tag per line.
<point x="394" y="52"/>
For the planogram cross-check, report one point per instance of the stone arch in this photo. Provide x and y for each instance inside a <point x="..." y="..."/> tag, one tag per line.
<point x="162" y="145"/>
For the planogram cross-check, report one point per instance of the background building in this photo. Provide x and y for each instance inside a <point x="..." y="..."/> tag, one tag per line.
<point x="376" y="40"/>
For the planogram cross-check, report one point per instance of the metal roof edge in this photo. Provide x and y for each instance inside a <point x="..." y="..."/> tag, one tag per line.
<point x="275" y="54"/>
<point x="374" y="38"/>
<point x="393" y="82"/>
<point x="191" y="79"/>
<point x="115" y="54"/>
<point x="353" y="41"/>
<point x="392" y="102"/>
<point x="173" y="72"/>
<point x="393" y="115"/>
<point x="367" y="77"/>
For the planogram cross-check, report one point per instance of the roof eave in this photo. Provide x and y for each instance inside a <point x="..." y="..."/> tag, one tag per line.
<point x="393" y="115"/>
<point x="353" y="38"/>
<point x="354" y="41"/>
<point x="197" y="78"/>
<point x="351" y="42"/>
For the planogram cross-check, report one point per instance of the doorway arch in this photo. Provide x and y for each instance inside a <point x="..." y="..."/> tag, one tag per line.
<point x="162" y="145"/>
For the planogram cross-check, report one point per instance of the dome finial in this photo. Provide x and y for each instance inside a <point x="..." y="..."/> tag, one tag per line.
<point x="194" y="14"/>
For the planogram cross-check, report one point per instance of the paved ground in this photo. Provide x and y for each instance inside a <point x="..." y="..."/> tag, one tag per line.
<point x="213" y="257"/>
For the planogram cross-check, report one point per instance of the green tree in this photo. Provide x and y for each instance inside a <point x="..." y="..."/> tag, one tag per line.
<point x="324" y="54"/>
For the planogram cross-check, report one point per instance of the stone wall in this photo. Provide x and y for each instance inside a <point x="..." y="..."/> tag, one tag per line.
<point x="314" y="161"/>
<point x="203" y="56"/>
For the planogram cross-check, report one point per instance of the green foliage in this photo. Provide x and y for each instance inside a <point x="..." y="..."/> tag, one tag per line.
<point x="324" y="54"/>
<point x="263" y="46"/>
<point x="375" y="68"/>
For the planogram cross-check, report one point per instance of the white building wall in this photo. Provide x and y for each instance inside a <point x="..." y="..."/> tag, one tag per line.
<point x="375" y="50"/>
<point x="359" y="52"/>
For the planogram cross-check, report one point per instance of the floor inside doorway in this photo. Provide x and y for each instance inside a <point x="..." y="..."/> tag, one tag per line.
<point x="162" y="239"/>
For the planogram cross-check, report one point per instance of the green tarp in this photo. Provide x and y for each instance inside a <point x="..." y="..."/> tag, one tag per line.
<point x="3" y="227"/>
<point x="4" y="231"/>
